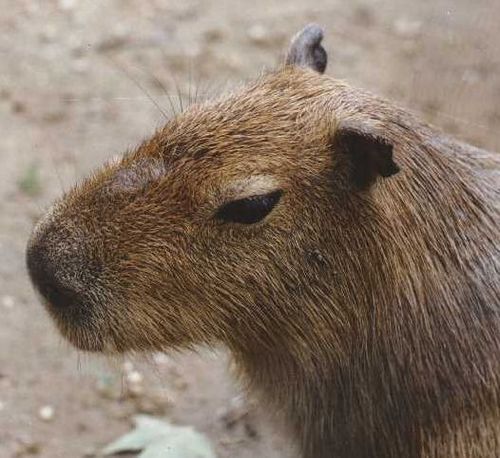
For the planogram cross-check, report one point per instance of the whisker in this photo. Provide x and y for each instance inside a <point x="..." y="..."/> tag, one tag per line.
<point x="164" y="89"/>
<point x="118" y="99"/>
<point x="79" y="362"/>
<point x="179" y="94"/>
<point x="190" y="74"/>
<point x="139" y="85"/>
<point x="173" y="79"/>
<point x="197" y="87"/>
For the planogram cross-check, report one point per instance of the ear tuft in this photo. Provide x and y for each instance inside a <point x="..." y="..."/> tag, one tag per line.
<point x="370" y="155"/>
<point x="306" y="50"/>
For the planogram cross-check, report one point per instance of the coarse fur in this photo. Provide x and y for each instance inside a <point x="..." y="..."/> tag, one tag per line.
<point x="367" y="315"/>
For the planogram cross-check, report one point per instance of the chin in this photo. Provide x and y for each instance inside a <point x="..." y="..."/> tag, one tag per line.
<point x="84" y="341"/>
<point x="81" y="335"/>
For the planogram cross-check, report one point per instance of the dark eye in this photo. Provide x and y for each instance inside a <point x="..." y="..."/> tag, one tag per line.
<point x="249" y="210"/>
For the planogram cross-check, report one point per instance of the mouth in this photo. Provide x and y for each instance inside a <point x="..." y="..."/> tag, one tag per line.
<point x="60" y="299"/>
<point x="76" y="322"/>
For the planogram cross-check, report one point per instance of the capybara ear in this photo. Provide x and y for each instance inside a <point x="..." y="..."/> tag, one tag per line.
<point x="368" y="153"/>
<point x="306" y="50"/>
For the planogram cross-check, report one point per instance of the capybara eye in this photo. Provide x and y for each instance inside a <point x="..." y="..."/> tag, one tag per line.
<point x="249" y="210"/>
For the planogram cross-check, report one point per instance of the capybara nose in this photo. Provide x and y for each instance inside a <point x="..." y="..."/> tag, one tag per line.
<point x="43" y="274"/>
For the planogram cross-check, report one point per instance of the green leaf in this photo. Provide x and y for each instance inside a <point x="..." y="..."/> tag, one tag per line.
<point x="184" y="443"/>
<point x="160" y="439"/>
<point x="30" y="182"/>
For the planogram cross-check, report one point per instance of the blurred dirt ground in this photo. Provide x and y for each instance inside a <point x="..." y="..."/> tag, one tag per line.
<point x="82" y="81"/>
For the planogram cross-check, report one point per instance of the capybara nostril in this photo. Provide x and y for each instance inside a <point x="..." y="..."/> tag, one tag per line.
<point x="43" y="275"/>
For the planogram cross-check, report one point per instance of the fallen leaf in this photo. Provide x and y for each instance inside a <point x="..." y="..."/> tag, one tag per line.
<point x="160" y="439"/>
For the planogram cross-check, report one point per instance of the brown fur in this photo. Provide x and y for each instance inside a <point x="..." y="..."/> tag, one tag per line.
<point x="369" y="319"/>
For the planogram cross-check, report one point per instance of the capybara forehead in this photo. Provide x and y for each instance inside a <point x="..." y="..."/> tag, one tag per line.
<point x="266" y="128"/>
<point x="272" y="113"/>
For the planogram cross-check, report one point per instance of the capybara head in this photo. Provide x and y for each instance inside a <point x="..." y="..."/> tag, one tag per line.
<point x="223" y="226"/>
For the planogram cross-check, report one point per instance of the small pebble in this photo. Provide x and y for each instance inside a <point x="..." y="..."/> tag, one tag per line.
<point x="67" y="5"/>
<point x="8" y="302"/>
<point x="81" y="65"/>
<point x="134" y="383"/>
<point x="162" y="359"/>
<point x="134" y="378"/>
<point x="127" y="367"/>
<point x="407" y="28"/>
<point x="257" y="33"/>
<point x="46" y="413"/>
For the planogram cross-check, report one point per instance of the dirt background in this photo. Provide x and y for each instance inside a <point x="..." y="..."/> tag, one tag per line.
<point x="81" y="81"/>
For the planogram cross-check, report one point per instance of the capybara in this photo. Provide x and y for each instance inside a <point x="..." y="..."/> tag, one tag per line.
<point x="346" y="253"/>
